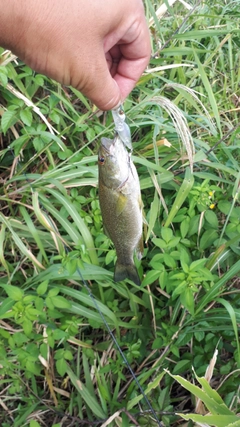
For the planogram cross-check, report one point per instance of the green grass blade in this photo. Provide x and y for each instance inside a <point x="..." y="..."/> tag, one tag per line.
<point x="87" y="396"/>
<point x="86" y="299"/>
<point x="181" y="196"/>
<point x="22" y="248"/>
<point x="33" y="230"/>
<point x="209" y="399"/>
<point x="215" y="291"/>
<point x="209" y="92"/>
<point x="68" y="227"/>
<point x="79" y="222"/>
<point x="213" y="420"/>
<point x="232" y="315"/>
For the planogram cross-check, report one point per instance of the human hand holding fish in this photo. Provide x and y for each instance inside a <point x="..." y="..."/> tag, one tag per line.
<point x="99" y="48"/>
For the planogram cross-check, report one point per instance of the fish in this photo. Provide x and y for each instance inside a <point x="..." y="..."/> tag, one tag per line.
<point x="121" y="206"/>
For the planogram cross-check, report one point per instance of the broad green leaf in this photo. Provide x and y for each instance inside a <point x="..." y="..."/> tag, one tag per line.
<point x="150" y="277"/>
<point x="195" y="265"/>
<point x="88" y="272"/>
<point x="34" y="423"/>
<point x="5" y="306"/>
<point x="224" y="206"/>
<point x="207" y="398"/>
<point x="213" y="420"/>
<point x="26" y="116"/>
<point x="184" y="227"/>
<point x="14" y="292"/>
<point x="3" y="78"/>
<point x="211" y="218"/>
<point x="207" y="239"/>
<point x="9" y="118"/>
<point x="61" y="366"/>
<point x="166" y="234"/>
<point x="169" y="260"/>
<point x="42" y="288"/>
<point x="60" y="302"/>
<point x="187" y="300"/>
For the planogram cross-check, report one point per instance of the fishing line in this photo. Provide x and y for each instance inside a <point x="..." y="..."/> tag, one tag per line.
<point x="154" y="414"/>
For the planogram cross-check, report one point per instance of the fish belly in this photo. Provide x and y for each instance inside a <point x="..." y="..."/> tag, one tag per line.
<point x="124" y="229"/>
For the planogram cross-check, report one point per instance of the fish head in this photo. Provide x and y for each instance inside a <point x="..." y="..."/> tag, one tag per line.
<point x="113" y="161"/>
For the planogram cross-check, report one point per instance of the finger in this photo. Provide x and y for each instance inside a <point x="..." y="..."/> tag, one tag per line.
<point x="132" y="53"/>
<point x="128" y="74"/>
<point x="113" y="61"/>
<point x="98" y="84"/>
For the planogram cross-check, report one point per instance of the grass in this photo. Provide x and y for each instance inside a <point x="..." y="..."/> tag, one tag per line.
<point x="58" y="363"/>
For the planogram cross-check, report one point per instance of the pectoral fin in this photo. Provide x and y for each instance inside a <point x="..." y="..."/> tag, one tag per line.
<point x="121" y="204"/>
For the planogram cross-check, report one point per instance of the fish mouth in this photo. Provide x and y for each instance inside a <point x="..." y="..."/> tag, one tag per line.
<point x="107" y="143"/>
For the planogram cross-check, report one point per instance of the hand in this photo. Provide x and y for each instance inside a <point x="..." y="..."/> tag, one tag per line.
<point x="100" y="47"/>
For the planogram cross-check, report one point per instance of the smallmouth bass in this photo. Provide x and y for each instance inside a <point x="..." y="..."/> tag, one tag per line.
<point x="121" y="206"/>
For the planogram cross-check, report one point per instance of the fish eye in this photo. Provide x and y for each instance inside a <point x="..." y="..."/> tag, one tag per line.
<point x="101" y="160"/>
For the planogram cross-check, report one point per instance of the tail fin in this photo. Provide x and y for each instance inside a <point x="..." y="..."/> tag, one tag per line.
<point x="128" y="271"/>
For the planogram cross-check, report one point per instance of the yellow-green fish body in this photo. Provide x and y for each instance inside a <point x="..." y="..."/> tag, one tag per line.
<point x="121" y="206"/>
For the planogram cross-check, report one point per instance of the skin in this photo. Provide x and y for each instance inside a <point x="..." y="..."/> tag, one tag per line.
<point x="99" y="47"/>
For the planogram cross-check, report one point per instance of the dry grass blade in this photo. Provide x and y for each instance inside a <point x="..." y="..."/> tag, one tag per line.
<point x="194" y="94"/>
<point x="110" y="419"/>
<point x="29" y="103"/>
<point x="200" y="408"/>
<point x="163" y="9"/>
<point x="6" y="57"/>
<point x="167" y="67"/>
<point x="180" y="124"/>
<point x="23" y="248"/>
<point x="6" y="408"/>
